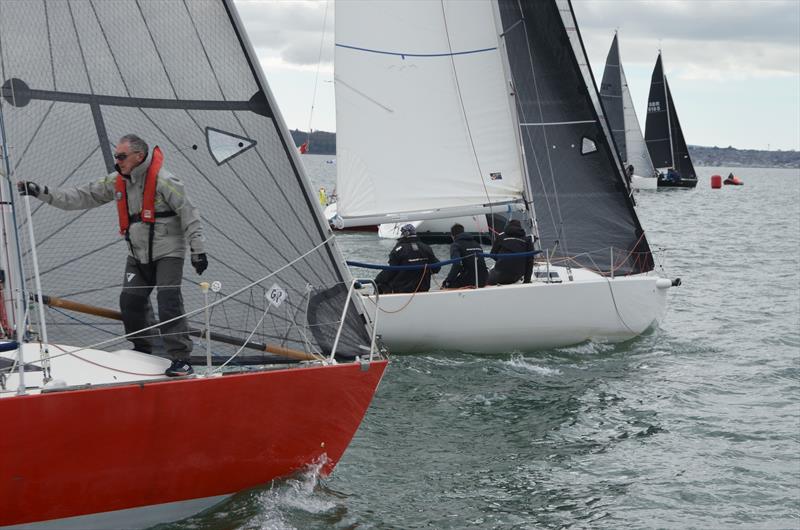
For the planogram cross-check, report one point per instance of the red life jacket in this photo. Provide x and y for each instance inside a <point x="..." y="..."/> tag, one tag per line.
<point x="148" y="214"/>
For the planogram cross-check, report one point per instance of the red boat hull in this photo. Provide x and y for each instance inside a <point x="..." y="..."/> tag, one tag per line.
<point x="81" y="452"/>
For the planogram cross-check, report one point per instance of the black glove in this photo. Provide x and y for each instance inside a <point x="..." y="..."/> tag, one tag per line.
<point x="29" y="188"/>
<point x="445" y="284"/>
<point x="200" y="262"/>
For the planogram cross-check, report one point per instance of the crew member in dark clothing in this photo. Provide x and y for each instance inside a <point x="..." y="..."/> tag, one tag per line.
<point x="409" y="251"/>
<point x="462" y="273"/>
<point x="510" y="270"/>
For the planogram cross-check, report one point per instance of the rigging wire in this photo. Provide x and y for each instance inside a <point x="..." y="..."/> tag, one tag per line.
<point x="316" y="76"/>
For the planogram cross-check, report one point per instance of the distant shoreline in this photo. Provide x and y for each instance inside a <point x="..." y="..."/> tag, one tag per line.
<point x="324" y="143"/>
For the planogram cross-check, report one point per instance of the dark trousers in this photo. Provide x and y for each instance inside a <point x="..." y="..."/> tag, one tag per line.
<point x="137" y="312"/>
<point x="497" y="277"/>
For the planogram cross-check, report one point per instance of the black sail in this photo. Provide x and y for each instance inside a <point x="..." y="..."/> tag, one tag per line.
<point x="611" y="95"/>
<point x="682" y="161"/>
<point x="657" y="125"/>
<point x="78" y="75"/>
<point x="577" y="185"/>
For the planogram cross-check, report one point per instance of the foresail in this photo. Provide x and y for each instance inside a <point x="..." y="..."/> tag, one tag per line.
<point x="78" y="75"/>
<point x="683" y="163"/>
<point x="583" y="208"/>
<point x="657" y="127"/>
<point x="637" y="154"/>
<point x="423" y="115"/>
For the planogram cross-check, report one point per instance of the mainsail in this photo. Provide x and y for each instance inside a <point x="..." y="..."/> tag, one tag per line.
<point x="611" y="94"/>
<point x="621" y="114"/>
<point x="78" y="75"/>
<point x="422" y="109"/>
<point x="580" y="196"/>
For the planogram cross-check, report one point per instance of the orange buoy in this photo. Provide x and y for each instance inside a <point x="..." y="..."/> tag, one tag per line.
<point x="716" y="181"/>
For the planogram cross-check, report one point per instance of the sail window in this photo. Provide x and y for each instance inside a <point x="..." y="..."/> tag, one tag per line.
<point x="225" y="145"/>
<point x="588" y="146"/>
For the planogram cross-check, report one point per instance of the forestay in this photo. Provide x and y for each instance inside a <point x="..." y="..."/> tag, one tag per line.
<point x="423" y="113"/>
<point x="579" y="192"/>
<point x="77" y="75"/>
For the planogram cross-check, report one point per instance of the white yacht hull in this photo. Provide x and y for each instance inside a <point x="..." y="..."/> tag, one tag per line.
<point x="644" y="183"/>
<point x="522" y="317"/>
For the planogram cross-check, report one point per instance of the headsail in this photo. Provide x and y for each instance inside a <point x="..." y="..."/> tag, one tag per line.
<point x="680" y="157"/>
<point x="183" y="76"/>
<point x="579" y="192"/>
<point x="423" y="114"/>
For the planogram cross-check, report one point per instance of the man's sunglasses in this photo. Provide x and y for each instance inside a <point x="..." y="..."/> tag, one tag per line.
<point x="121" y="156"/>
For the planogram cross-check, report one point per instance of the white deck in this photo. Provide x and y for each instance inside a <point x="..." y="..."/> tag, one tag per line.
<point x="72" y="366"/>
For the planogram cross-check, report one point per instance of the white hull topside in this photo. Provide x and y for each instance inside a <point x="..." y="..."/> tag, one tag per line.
<point x="522" y="317"/>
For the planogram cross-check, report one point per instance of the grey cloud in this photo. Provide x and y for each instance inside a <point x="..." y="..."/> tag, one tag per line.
<point x="289" y="30"/>
<point x="708" y="39"/>
<point x="773" y="21"/>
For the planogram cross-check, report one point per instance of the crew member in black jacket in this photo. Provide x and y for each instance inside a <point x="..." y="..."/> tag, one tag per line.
<point x="510" y="270"/>
<point x="409" y="251"/>
<point x="462" y="273"/>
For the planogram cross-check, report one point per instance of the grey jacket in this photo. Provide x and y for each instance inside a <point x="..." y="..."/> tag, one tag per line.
<point x="171" y="233"/>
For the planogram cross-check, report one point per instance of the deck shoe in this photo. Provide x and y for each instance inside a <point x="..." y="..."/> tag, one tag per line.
<point x="179" y="367"/>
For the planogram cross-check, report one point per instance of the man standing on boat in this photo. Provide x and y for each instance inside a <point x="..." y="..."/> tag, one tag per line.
<point x="467" y="250"/>
<point x="157" y="220"/>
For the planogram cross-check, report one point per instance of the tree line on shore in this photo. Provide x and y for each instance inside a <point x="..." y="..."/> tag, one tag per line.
<point x="324" y="143"/>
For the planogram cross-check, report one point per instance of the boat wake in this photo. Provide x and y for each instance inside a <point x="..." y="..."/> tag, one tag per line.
<point x="518" y="362"/>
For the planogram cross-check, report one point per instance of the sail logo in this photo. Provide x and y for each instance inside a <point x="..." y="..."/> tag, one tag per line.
<point x="131" y="276"/>
<point x="654" y="106"/>
<point x="495" y="176"/>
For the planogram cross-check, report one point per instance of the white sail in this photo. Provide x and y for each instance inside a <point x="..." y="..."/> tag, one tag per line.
<point x="422" y="105"/>
<point x="636" y="149"/>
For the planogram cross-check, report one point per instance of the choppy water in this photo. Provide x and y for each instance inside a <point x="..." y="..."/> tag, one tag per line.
<point x="693" y="425"/>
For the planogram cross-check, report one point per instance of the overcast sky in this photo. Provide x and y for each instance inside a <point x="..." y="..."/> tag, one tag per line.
<point x="733" y="65"/>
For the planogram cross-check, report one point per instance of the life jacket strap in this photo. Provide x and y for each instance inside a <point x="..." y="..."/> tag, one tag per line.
<point x="136" y="218"/>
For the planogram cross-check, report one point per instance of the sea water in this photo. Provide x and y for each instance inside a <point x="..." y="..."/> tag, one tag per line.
<point x="695" y="424"/>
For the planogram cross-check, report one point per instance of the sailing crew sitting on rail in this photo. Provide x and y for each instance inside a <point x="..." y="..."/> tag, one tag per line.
<point x="157" y="220"/>
<point x="467" y="250"/>
<point x="673" y="175"/>
<point x="408" y="251"/>
<point x="511" y="270"/>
